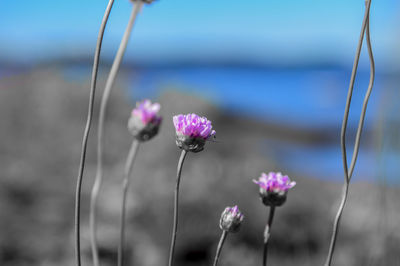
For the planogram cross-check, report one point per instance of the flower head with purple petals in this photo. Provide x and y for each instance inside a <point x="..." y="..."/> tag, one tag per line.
<point x="275" y="182"/>
<point x="147" y="111"/>
<point x="193" y="126"/>
<point x="192" y="131"/>
<point x="274" y="187"/>
<point x="231" y="219"/>
<point x="145" y="120"/>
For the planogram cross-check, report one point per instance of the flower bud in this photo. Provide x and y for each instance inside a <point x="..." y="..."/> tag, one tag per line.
<point x="192" y="132"/>
<point x="274" y="188"/>
<point x="231" y="219"/>
<point x="145" y="121"/>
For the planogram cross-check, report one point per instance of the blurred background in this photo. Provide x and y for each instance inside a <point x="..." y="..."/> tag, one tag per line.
<point x="273" y="78"/>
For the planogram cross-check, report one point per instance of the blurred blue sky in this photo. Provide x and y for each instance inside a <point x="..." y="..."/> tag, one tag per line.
<point x="268" y="32"/>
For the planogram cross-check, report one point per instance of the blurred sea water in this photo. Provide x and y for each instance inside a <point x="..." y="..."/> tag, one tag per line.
<point x="310" y="99"/>
<point x="303" y="98"/>
<point x="307" y="98"/>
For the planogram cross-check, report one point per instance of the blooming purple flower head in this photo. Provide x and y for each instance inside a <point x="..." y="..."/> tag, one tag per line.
<point x="231" y="219"/>
<point x="147" y="111"/>
<point x="192" y="131"/>
<point x="193" y="126"/>
<point x="275" y="182"/>
<point x="274" y="188"/>
<point x="145" y="120"/>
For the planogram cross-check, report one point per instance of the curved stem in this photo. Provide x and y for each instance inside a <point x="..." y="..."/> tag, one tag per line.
<point x="103" y="107"/>
<point x="125" y="186"/>
<point x="349" y="174"/>
<point x="350" y="92"/>
<point x="267" y="233"/>
<point x="176" y="203"/>
<point x="87" y="130"/>
<point x="366" y="99"/>
<point x="336" y="223"/>
<point x="219" y="248"/>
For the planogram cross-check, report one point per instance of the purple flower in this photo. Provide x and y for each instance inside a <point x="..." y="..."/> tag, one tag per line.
<point x="147" y="112"/>
<point x="274" y="188"/>
<point x="145" y="120"/>
<point x="192" y="131"/>
<point x="193" y="126"/>
<point x="231" y="219"/>
<point x="275" y="182"/>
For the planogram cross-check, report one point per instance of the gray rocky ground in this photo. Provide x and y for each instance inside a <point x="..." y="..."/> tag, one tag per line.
<point x="42" y="116"/>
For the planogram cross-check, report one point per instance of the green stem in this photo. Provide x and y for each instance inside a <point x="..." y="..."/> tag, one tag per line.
<point x="176" y="203"/>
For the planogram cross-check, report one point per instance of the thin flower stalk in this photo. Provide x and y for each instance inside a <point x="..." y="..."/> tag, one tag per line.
<point x="230" y="222"/>
<point x="103" y="106"/>
<point x="267" y="234"/>
<point x="143" y="124"/>
<point x="219" y="248"/>
<point x="192" y="132"/>
<point x="125" y="187"/>
<point x="348" y="173"/>
<point x="366" y="98"/>
<point x="87" y="130"/>
<point x="176" y="205"/>
<point x="273" y="190"/>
